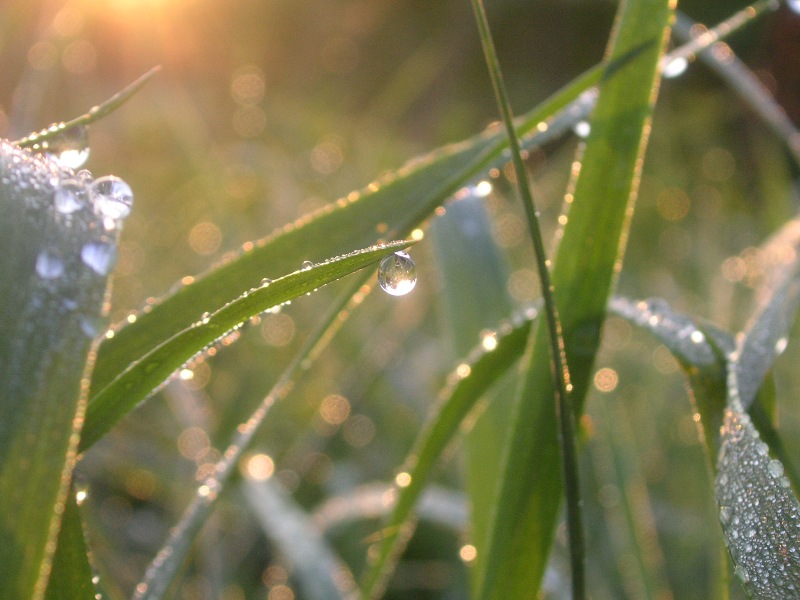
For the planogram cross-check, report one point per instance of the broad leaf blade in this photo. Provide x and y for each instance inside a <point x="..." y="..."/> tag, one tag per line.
<point x="530" y="486"/>
<point x="759" y="513"/>
<point x="150" y="371"/>
<point x="50" y="303"/>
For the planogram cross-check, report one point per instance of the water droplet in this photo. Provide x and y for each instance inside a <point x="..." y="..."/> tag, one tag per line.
<point x="397" y="274"/>
<point x="307" y="264"/>
<point x="48" y="265"/>
<point x="99" y="256"/>
<point x="70" y="148"/>
<point x="675" y="68"/>
<point x="481" y="189"/>
<point x="725" y="514"/>
<point x="794" y="5"/>
<point x="697" y="337"/>
<point x="780" y="345"/>
<point x="775" y="468"/>
<point x="69" y="197"/>
<point x="113" y="198"/>
<point x="582" y="129"/>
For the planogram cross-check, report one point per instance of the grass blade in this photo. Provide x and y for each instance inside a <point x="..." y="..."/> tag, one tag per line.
<point x="51" y="300"/>
<point x="319" y="572"/>
<point x="759" y="513"/>
<point x="766" y="335"/>
<point x="529" y="485"/>
<point x="401" y="201"/>
<point x="71" y="578"/>
<point x="468" y="383"/>
<point x="150" y="371"/>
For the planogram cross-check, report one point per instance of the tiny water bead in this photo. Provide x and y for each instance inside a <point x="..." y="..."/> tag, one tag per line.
<point x="397" y="274"/>
<point x="48" y="265"/>
<point x="113" y="198"/>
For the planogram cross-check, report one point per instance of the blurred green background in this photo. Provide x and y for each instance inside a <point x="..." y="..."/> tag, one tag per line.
<point x="267" y="110"/>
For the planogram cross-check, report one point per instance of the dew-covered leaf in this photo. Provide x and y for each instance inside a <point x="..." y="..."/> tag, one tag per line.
<point x="759" y="513"/>
<point x="313" y="564"/>
<point x="779" y="296"/>
<point x="151" y="370"/>
<point x="466" y="386"/>
<point x="57" y="248"/>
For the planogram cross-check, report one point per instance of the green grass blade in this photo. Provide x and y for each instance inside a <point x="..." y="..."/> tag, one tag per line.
<point x="469" y="382"/>
<point x="767" y="333"/>
<point x="151" y="370"/>
<point x="71" y="578"/>
<point x="529" y="486"/>
<point x="50" y="303"/>
<point x="401" y="201"/>
<point x="759" y="513"/>
<point x="474" y="301"/>
<point x="318" y="571"/>
<point x="39" y="140"/>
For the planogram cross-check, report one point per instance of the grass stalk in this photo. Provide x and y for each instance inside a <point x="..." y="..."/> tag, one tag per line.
<point x="560" y="371"/>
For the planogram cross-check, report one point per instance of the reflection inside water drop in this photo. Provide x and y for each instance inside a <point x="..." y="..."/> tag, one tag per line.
<point x="397" y="274"/>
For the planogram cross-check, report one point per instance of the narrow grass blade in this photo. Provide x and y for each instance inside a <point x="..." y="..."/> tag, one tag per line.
<point x="40" y="140"/>
<point x="150" y="371"/>
<point x="71" y="578"/>
<point x="400" y="202"/>
<point x="529" y="486"/>
<point x="741" y="79"/>
<point x="767" y="334"/>
<point x="468" y="383"/>
<point x="318" y="571"/>
<point x="436" y="504"/>
<point x="51" y="300"/>
<point x="759" y="513"/>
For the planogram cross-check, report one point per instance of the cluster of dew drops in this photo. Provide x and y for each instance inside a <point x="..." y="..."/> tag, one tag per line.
<point x="75" y="190"/>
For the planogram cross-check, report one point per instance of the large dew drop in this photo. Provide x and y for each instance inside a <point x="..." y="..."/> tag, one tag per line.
<point x="397" y="274"/>
<point x="70" y="148"/>
<point x="49" y="266"/>
<point x="113" y="198"/>
<point x="69" y="197"/>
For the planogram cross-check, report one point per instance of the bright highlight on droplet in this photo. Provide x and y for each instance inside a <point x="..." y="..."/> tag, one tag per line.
<point x="402" y="479"/>
<point x="259" y="467"/>
<point x="582" y="129"/>
<point x="397" y="274"/>
<point x="794" y="5"/>
<point x="675" y="67"/>
<point x="482" y="189"/>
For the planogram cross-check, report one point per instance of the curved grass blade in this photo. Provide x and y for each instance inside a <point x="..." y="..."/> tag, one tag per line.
<point x="436" y="504"/>
<point x="39" y="140"/>
<point x="71" y="578"/>
<point x="467" y="384"/>
<point x="529" y="486"/>
<point x="163" y="568"/>
<point x="759" y="513"/>
<point x="401" y="201"/>
<point x="766" y="335"/>
<point x="150" y="371"/>
<point x="318" y="571"/>
<point x="51" y="301"/>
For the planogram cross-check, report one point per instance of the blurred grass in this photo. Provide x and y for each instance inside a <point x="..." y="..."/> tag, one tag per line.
<point x="265" y="111"/>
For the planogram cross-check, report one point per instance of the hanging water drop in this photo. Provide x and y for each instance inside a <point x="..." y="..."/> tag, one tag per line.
<point x="70" y="148"/>
<point x="397" y="274"/>
<point x="100" y="257"/>
<point x="307" y="264"/>
<point x="49" y="266"/>
<point x="113" y="198"/>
